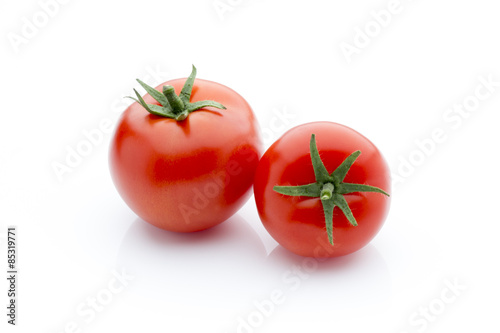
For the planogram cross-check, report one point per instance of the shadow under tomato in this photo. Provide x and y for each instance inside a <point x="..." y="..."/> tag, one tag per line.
<point x="218" y="265"/>
<point x="347" y="285"/>
<point x="285" y="258"/>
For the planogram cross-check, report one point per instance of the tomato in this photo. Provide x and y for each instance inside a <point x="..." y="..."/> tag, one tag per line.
<point x="320" y="190"/>
<point x="185" y="164"/>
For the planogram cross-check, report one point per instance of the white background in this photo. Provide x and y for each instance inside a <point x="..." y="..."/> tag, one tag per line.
<point x="285" y="57"/>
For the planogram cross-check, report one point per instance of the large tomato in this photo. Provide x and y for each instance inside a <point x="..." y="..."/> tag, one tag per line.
<point x="189" y="163"/>
<point x="315" y="196"/>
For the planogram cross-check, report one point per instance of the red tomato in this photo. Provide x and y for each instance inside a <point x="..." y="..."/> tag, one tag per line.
<point x="299" y="222"/>
<point x="192" y="173"/>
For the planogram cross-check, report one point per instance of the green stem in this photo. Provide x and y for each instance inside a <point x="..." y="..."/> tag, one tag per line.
<point x="182" y="116"/>
<point x="173" y="106"/>
<point x="327" y="191"/>
<point x="174" y="100"/>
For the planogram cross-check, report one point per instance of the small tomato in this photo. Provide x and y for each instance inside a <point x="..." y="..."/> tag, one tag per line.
<point x="324" y="198"/>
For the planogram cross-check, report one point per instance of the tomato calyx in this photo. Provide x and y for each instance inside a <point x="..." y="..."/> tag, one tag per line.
<point x="330" y="188"/>
<point x="171" y="105"/>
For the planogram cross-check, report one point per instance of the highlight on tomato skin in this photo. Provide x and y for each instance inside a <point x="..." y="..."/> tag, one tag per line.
<point x="322" y="190"/>
<point x="183" y="156"/>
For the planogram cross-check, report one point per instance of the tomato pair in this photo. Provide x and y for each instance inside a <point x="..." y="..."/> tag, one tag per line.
<point x="187" y="162"/>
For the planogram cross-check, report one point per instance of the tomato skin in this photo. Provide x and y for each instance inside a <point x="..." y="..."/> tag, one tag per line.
<point x="298" y="223"/>
<point x="189" y="175"/>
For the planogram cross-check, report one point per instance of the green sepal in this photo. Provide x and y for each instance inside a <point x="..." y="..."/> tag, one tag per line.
<point x="173" y="106"/>
<point x="339" y="201"/>
<point x="309" y="190"/>
<point x="155" y="94"/>
<point x="339" y="174"/>
<point x="322" y="175"/>
<point x="328" y="206"/>
<point x="187" y="89"/>
<point x="152" y="108"/>
<point x="346" y="188"/>
<point x="202" y="104"/>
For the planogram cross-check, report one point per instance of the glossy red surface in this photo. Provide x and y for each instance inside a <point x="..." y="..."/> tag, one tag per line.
<point x="298" y="223"/>
<point x="189" y="175"/>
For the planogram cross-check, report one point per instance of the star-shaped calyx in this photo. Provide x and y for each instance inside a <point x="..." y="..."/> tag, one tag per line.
<point x="171" y="105"/>
<point x="330" y="188"/>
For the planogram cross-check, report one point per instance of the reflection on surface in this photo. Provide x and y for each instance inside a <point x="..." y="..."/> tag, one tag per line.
<point x="226" y="267"/>
<point x="221" y="264"/>
<point x="348" y="284"/>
